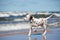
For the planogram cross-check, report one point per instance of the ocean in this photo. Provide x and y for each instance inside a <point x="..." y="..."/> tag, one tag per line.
<point x="21" y="25"/>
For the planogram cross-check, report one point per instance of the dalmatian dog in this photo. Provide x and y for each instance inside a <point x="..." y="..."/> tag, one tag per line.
<point x="35" y="22"/>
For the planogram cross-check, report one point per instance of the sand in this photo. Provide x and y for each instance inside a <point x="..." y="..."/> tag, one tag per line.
<point x="25" y="31"/>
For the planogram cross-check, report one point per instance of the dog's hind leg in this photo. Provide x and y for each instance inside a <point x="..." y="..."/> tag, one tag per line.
<point x="44" y="32"/>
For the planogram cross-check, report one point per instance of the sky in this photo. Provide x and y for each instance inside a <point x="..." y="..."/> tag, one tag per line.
<point x="29" y="5"/>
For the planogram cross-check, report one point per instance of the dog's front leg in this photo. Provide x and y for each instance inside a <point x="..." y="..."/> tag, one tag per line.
<point x="30" y="29"/>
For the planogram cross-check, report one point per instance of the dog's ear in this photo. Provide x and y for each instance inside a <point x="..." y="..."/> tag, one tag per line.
<point x="31" y="17"/>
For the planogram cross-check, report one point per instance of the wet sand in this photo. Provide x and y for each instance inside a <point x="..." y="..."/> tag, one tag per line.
<point x="25" y="31"/>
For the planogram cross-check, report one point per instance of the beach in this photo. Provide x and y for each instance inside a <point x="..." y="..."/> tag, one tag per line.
<point x="52" y="34"/>
<point x="19" y="31"/>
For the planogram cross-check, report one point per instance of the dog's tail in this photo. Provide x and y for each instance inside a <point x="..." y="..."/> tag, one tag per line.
<point x="49" y="17"/>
